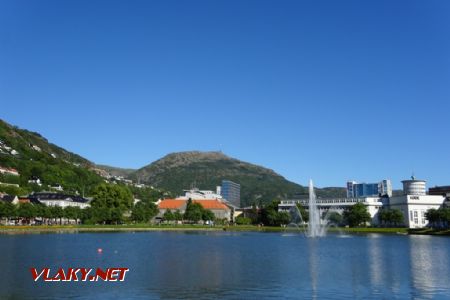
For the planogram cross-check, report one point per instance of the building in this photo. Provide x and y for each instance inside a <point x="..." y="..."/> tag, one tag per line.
<point x="414" y="203"/>
<point x="57" y="199"/>
<point x="414" y="187"/>
<point x="440" y="191"/>
<point x="219" y="208"/>
<point x="196" y="194"/>
<point x="339" y="205"/>
<point x="357" y="190"/>
<point x="9" y="199"/>
<point x="9" y="171"/>
<point x="35" y="180"/>
<point x="231" y="191"/>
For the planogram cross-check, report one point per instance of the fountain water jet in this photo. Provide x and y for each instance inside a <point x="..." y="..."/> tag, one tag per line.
<point x="315" y="226"/>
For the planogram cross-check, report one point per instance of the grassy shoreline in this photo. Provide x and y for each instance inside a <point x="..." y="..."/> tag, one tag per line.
<point x="147" y="227"/>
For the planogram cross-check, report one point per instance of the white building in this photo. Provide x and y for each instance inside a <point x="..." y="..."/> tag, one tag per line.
<point x="196" y="194"/>
<point x="57" y="199"/>
<point x="338" y="205"/>
<point x="9" y="171"/>
<point x="414" y="203"/>
<point x="414" y="208"/>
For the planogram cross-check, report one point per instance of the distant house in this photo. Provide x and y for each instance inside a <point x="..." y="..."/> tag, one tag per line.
<point x="219" y="208"/>
<point x="9" y="171"/>
<point x="57" y="187"/>
<point x="24" y="200"/>
<point x="34" y="147"/>
<point x="35" y="180"/>
<point x="59" y="199"/>
<point x="10" y="199"/>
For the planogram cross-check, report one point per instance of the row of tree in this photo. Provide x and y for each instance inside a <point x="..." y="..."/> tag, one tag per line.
<point x="390" y="217"/>
<point x="438" y="218"/>
<point x="356" y="215"/>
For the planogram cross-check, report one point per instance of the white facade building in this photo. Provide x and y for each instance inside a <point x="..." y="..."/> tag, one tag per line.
<point x="338" y="205"/>
<point x="414" y="208"/>
<point x="62" y="200"/>
<point x="196" y="194"/>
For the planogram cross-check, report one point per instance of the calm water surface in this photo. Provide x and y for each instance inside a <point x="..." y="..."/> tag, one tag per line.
<point x="210" y="265"/>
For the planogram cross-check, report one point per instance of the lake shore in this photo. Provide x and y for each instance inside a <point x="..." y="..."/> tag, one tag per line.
<point x="145" y="227"/>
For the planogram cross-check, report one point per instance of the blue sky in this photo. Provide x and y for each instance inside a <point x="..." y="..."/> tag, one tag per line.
<point x="329" y="90"/>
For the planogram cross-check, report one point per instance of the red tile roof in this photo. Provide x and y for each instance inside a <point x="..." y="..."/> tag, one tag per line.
<point x="206" y="204"/>
<point x="171" y="204"/>
<point x="211" y="204"/>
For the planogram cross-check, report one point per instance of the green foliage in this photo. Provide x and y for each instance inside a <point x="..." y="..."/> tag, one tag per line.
<point x="271" y="216"/>
<point x="67" y="169"/>
<point x="168" y="216"/>
<point x="390" y="217"/>
<point x="7" y="210"/>
<point x="335" y="218"/>
<point x="26" y="210"/>
<point x="207" y="215"/>
<point x="438" y="218"/>
<point x="357" y="215"/>
<point x="110" y="203"/>
<point x="144" y="211"/>
<point x="240" y="220"/>
<point x="194" y="212"/>
<point x="177" y="215"/>
<point x="304" y="214"/>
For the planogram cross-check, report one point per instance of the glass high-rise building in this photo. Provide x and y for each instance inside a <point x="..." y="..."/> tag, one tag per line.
<point x="382" y="188"/>
<point x="231" y="191"/>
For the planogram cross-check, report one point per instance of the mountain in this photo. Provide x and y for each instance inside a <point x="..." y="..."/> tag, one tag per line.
<point x="33" y="156"/>
<point x="206" y="170"/>
<point x="114" y="171"/>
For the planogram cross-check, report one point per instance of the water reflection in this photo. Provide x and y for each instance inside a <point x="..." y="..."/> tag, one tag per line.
<point x="313" y="265"/>
<point x="231" y="266"/>
<point x="429" y="266"/>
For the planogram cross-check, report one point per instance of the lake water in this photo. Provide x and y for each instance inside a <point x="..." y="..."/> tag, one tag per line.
<point x="226" y="265"/>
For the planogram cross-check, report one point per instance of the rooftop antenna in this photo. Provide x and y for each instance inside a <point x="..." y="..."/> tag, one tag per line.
<point x="412" y="176"/>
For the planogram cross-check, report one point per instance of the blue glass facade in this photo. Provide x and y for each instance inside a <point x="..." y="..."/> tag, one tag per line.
<point x="231" y="191"/>
<point x="382" y="188"/>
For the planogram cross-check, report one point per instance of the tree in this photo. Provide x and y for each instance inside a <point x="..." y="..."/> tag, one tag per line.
<point x="7" y="210"/>
<point x="26" y="211"/>
<point x="357" y="215"/>
<point x="283" y="218"/>
<point x="303" y="213"/>
<point x="438" y="218"/>
<point x="177" y="215"/>
<point x="194" y="211"/>
<point x="432" y="215"/>
<point x="334" y="218"/>
<point x="144" y="211"/>
<point x="396" y="217"/>
<point x="72" y="213"/>
<point x="208" y="215"/>
<point x="168" y="216"/>
<point x="57" y="212"/>
<point x="114" y="198"/>
<point x="240" y="220"/>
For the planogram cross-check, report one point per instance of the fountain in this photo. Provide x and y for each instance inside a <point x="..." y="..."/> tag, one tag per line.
<point x="316" y="227"/>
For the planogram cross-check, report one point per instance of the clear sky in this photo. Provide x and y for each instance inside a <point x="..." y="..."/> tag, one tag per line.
<point x="329" y="90"/>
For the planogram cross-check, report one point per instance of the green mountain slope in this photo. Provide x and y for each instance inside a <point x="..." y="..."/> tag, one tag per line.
<point x="33" y="156"/>
<point x="205" y="170"/>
